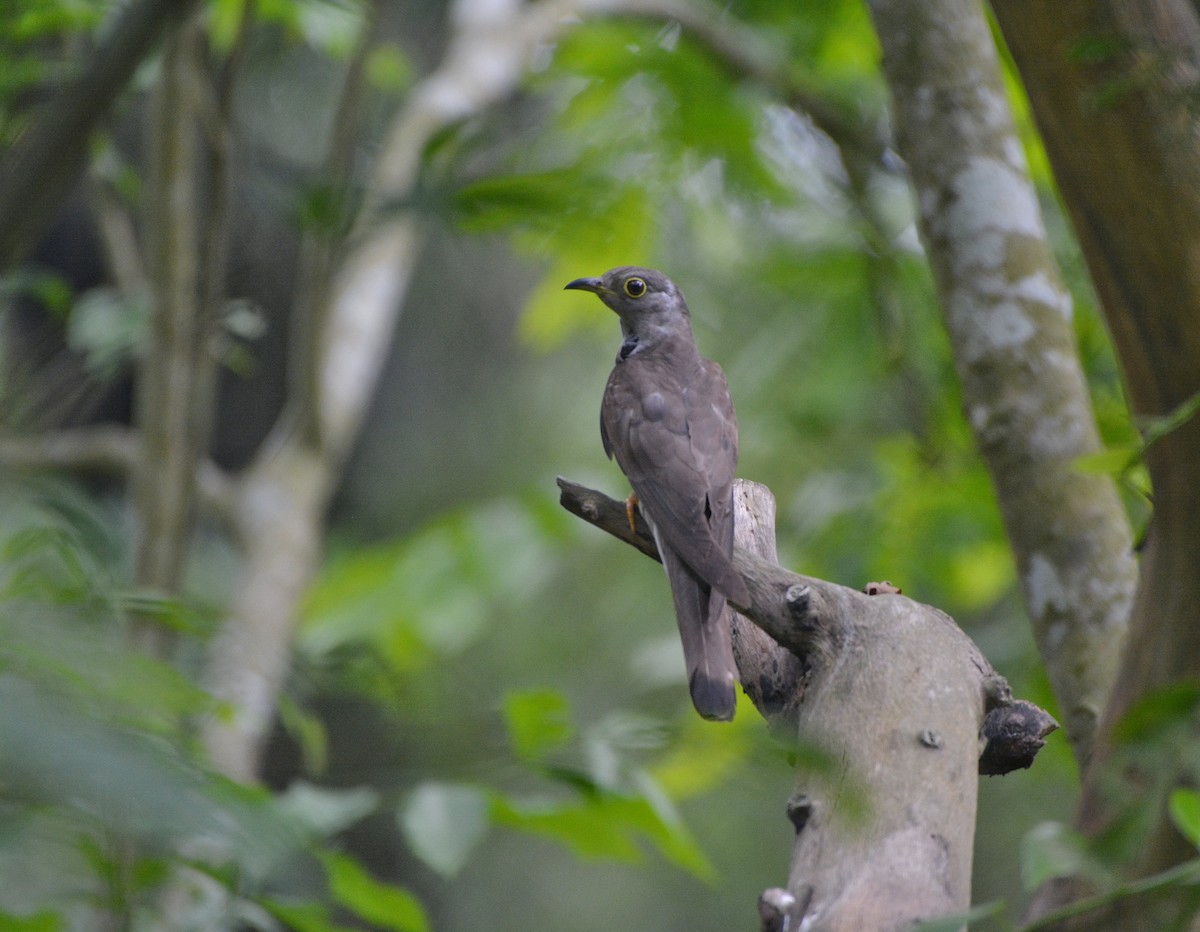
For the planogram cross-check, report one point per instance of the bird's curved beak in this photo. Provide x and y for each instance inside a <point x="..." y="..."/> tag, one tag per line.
<point x="594" y="285"/>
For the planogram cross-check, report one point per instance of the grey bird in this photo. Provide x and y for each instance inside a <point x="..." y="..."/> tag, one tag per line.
<point x="668" y="420"/>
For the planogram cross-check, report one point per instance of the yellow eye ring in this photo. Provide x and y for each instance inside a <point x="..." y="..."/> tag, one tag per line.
<point x="635" y="287"/>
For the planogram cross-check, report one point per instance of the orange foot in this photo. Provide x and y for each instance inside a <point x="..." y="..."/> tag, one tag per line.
<point x="630" y="504"/>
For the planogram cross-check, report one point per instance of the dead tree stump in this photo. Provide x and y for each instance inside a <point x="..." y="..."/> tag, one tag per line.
<point x="900" y="702"/>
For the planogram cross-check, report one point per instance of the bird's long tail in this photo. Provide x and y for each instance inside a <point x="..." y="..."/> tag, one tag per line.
<point x="703" y="617"/>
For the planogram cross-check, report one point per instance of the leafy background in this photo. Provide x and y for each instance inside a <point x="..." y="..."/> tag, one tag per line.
<point x="486" y="724"/>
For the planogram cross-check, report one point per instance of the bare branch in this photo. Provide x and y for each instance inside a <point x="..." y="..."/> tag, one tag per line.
<point x="280" y="507"/>
<point x="104" y="450"/>
<point x="111" y="451"/>
<point x="320" y="249"/>
<point x="118" y="237"/>
<point x="167" y="383"/>
<point x="794" y="610"/>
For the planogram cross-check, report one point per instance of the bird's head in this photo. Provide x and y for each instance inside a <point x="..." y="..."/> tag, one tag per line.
<point x="648" y="303"/>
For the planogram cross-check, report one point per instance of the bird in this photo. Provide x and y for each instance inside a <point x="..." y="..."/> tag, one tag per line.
<point x="668" y="420"/>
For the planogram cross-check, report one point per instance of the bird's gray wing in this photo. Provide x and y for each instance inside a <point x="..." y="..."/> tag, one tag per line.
<point x="712" y="432"/>
<point x="675" y="438"/>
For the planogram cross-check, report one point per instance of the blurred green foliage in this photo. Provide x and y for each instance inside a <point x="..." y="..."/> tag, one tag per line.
<point x="105" y="808"/>
<point x="486" y="686"/>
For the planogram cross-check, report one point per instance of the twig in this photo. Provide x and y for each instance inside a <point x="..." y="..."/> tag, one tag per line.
<point x="167" y="386"/>
<point x="1185" y="874"/>
<point x="798" y="612"/>
<point x="320" y="247"/>
<point x="108" y="450"/>
<point x="118" y="236"/>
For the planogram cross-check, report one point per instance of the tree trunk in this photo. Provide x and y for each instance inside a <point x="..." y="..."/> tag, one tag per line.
<point x="1112" y="86"/>
<point x="1009" y="319"/>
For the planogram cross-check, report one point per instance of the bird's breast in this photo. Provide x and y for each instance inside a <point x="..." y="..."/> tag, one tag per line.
<point x="654" y="406"/>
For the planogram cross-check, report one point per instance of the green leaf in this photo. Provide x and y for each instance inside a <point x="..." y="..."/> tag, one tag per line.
<point x="443" y="823"/>
<point x="308" y="730"/>
<point x="1152" y="715"/>
<point x="589" y="829"/>
<point x="49" y="288"/>
<point x="605" y="825"/>
<point x="530" y="199"/>
<point x="701" y="757"/>
<point x="224" y="20"/>
<point x="981" y="572"/>
<point x="303" y="917"/>
<point x="388" y="68"/>
<point x="1156" y="428"/>
<point x="434" y="592"/>
<point x="538" y="722"/>
<point x="381" y="904"/>
<point x="1111" y="461"/>
<point x="108" y="327"/>
<point x="1184" y="806"/>
<point x="42" y="921"/>
<point x="324" y="811"/>
<point x="1118" y="460"/>
<point x="1052" y="849"/>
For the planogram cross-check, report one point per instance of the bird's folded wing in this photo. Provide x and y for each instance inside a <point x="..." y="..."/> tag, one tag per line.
<point x="680" y="461"/>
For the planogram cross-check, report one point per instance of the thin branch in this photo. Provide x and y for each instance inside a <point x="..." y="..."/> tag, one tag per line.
<point x="798" y="612"/>
<point x="118" y="236"/>
<point x="108" y="450"/>
<point x="320" y="248"/>
<point x="213" y="91"/>
<point x="1186" y="874"/>
<point x="104" y="450"/>
<point x="167" y="377"/>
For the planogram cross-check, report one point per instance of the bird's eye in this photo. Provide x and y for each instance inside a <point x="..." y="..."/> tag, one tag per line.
<point x="635" y="287"/>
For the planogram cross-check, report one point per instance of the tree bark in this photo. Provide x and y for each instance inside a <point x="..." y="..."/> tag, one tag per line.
<point x="1009" y="319"/>
<point x="1112" y="86"/>
<point x="896" y="698"/>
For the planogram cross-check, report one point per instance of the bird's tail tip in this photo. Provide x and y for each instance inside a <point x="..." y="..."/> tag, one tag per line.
<point x="714" y="699"/>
